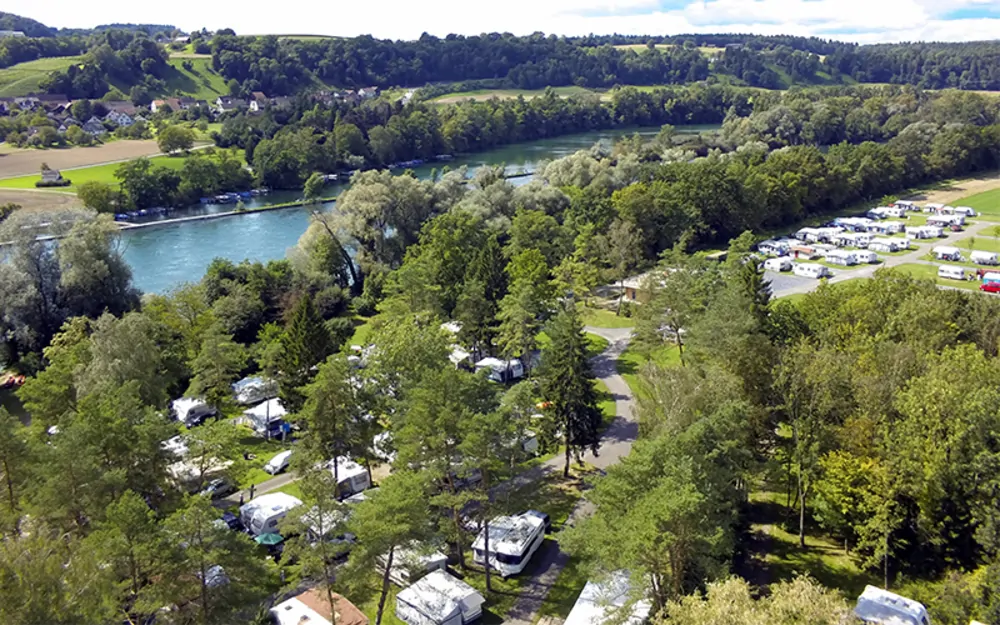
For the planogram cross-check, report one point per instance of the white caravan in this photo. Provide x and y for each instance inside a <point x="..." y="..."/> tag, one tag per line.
<point x="513" y="540"/>
<point x="812" y="270"/>
<point x="951" y="272"/>
<point x="262" y="515"/>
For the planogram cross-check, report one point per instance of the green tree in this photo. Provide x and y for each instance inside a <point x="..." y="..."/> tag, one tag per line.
<point x="304" y="344"/>
<point x="391" y="518"/>
<point x="100" y="196"/>
<point x="216" y="367"/>
<point x="567" y="382"/>
<point x="337" y="424"/>
<point x="14" y="463"/>
<point x="175" y="138"/>
<point x="624" y="253"/>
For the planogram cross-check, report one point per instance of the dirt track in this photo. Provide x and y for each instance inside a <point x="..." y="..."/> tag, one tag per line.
<point x="34" y="200"/>
<point x="29" y="161"/>
<point x="956" y="190"/>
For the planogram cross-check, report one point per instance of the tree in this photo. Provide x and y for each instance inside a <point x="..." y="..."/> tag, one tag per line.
<point x="391" y="518"/>
<point x="624" y="253"/>
<point x="100" y="196"/>
<point x="132" y="540"/>
<point x="332" y="411"/>
<point x="216" y="367"/>
<point x="304" y="344"/>
<point x="567" y="382"/>
<point x="14" y="464"/>
<point x="94" y="276"/>
<point x="732" y="602"/>
<point x="175" y="138"/>
<point x="313" y="188"/>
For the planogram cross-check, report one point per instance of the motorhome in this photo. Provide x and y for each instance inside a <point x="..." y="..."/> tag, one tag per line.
<point x="191" y="411"/>
<point x="512" y="542"/>
<point x="841" y="257"/>
<point x="906" y="205"/>
<point x="946" y="221"/>
<point x="278" y="463"/>
<point x="886" y="245"/>
<point x="951" y="272"/>
<point x="782" y="263"/>
<point x="439" y="599"/>
<point x="351" y="477"/>
<point x="412" y="562"/>
<point x="501" y="371"/>
<point x="886" y="227"/>
<point x="254" y="389"/>
<point x="811" y="270"/>
<point x="865" y="257"/>
<point x="876" y="605"/>
<point x="944" y="252"/>
<point x="772" y="248"/>
<point x="924" y="232"/>
<point x="853" y="239"/>
<point x="611" y="601"/>
<point x="984" y="258"/>
<point x="965" y="210"/>
<point x="262" y="515"/>
<point x="266" y="418"/>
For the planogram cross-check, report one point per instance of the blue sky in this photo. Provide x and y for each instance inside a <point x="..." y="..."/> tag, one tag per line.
<point x="864" y="21"/>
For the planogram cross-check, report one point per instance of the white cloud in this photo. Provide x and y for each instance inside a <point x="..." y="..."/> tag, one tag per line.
<point x="854" y="20"/>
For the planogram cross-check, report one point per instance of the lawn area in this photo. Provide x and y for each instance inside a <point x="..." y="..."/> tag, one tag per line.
<point x="987" y="202"/>
<point x="981" y="243"/>
<point x="595" y="344"/>
<point x="25" y="78"/>
<point x="485" y="94"/>
<point x="776" y="555"/>
<point x="607" y="402"/>
<point x="631" y="362"/>
<point x="98" y="173"/>
<point x="929" y="272"/>
<point x="601" y="318"/>
<point x="200" y="82"/>
<point x="565" y="590"/>
<point x="362" y="330"/>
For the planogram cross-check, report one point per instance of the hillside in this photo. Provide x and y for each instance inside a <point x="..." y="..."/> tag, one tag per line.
<point x="28" y="26"/>
<point x="200" y="81"/>
<point x="25" y="78"/>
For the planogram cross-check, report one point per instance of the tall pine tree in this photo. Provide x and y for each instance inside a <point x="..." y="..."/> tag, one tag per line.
<point x="304" y="344"/>
<point x="567" y="382"/>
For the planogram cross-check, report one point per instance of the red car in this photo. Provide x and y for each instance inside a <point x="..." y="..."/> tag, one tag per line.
<point x="990" y="287"/>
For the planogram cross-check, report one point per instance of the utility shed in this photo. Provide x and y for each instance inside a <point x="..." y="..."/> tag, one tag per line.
<point x="439" y="599"/>
<point x="601" y="603"/>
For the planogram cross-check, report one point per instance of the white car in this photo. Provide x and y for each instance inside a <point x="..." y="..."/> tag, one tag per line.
<point x="278" y="463"/>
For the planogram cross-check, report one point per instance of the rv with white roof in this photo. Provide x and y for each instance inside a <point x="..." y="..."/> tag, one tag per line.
<point x="812" y="270"/>
<point x="513" y="540"/>
<point x="945" y="252"/>
<point x="984" y="258"/>
<point x="262" y="515"/>
<point x="951" y="272"/>
<point x="782" y="263"/>
<point x="439" y="599"/>
<point x="882" y="607"/>
<point x="841" y="257"/>
<point x="351" y="477"/>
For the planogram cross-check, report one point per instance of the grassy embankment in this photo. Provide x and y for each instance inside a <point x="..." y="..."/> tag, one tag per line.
<point x="25" y="78"/>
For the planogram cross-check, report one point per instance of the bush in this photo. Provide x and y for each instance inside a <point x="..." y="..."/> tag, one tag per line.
<point x="65" y="182"/>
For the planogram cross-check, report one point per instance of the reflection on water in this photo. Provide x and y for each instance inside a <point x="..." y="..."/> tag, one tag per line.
<point x="166" y="256"/>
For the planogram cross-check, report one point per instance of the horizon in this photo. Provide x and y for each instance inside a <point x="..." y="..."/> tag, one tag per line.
<point x="857" y="21"/>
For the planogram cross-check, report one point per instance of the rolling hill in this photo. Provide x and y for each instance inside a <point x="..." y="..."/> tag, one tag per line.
<point x="24" y="78"/>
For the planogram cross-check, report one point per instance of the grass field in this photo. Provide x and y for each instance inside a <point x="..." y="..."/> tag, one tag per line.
<point x="631" y="362"/>
<point x="639" y="47"/>
<point x="485" y="94"/>
<point x="929" y="272"/>
<point x="25" y="78"/>
<point x="97" y="173"/>
<point x="601" y="318"/>
<point x="28" y="161"/>
<point x="200" y="82"/>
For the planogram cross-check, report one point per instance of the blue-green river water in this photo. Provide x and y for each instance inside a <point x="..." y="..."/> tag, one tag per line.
<point x="166" y="256"/>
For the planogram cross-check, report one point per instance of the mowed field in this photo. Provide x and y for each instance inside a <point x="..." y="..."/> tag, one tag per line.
<point x="25" y="78"/>
<point x="981" y="193"/>
<point x="200" y="82"/>
<point x="97" y="173"/>
<point x="639" y="47"/>
<point x="29" y="161"/>
<point x="39" y="200"/>
<point x="486" y="94"/>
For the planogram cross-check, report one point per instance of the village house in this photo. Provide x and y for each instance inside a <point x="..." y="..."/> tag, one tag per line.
<point x="120" y="106"/>
<point x="367" y="93"/>
<point x="224" y="104"/>
<point x="258" y="101"/>
<point x="93" y="126"/>
<point x="119" y="118"/>
<point x="173" y="103"/>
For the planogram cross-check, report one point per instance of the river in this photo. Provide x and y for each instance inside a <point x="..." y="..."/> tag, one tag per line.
<point x="167" y="256"/>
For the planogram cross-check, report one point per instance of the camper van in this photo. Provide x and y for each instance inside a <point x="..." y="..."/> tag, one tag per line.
<point x="278" y="463"/>
<point x="811" y="270"/>
<point x="262" y="515"/>
<point x="513" y="540"/>
<point x="951" y="272"/>
<point x="782" y="263"/>
<point x="887" y="608"/>
<point x="351" y="477"/>
<point x="191" y="411"/>
<point x="267" y="418"/>
<point x="944" y="252"/>
<point x="439" y="599"/>
<point x="254" y="390"/>
<point x="501" y="371"/>
<point x="412" y="562"/>
<point x="984" y="258"/>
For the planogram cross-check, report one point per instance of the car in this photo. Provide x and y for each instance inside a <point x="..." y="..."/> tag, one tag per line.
<point x="217" y="488"/>
<point x="990" y="287"/>
<point x="231" y="521"/>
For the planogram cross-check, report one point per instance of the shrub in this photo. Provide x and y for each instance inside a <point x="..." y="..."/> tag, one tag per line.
<point x="65" y="182"/>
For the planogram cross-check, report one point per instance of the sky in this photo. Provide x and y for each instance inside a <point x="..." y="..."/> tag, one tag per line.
<point x="863" y="21"/>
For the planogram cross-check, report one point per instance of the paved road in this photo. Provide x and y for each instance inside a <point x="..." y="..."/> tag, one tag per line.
<point x="615" y="445"/>
<point x="783" y="284"/>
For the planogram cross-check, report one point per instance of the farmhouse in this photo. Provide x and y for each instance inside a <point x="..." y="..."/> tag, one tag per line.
<point x="258" y="101"/>
<point x="93" y="126"/>
<point x="120" y="106"/>
<point x="224" y="104"/>
<point x="119" y="118"/>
